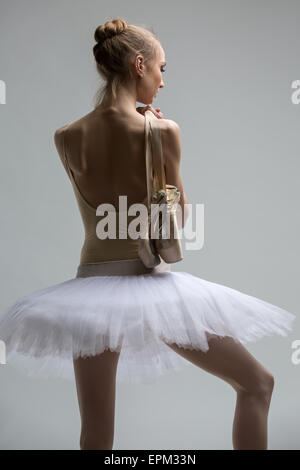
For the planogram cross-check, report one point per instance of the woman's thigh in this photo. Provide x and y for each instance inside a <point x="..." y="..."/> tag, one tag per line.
<point x="229" y="360"/>
<point x="95" y="383"/>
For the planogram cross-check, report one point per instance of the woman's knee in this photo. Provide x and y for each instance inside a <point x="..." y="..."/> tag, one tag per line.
<point x="261" y="386"/>
<point x="231" y="361"/>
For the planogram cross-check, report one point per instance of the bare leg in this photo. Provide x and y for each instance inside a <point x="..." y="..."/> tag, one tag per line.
<point x="229" y="360"/>
<point x="95" y="382"/>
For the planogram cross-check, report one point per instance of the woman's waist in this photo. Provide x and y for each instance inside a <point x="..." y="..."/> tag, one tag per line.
<point x="133" y="266"/>
<point x="95" y="250"/>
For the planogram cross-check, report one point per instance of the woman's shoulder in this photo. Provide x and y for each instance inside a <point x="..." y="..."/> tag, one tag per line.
<point x="170" y="124"/>
<point x="68" y="130"/>
<point x="59" y="140"/>
<point x="170" y="138"/>
<point x="72" y="126"/>
<point x="170" y="135"/>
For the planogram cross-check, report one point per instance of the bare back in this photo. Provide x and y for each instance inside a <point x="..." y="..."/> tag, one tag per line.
<point x="104" y="155"/>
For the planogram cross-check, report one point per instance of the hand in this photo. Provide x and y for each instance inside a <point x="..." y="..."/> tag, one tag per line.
<point x="155" y="111"/>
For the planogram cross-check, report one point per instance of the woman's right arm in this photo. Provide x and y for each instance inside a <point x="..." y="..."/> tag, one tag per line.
<point x="171" y="147"/>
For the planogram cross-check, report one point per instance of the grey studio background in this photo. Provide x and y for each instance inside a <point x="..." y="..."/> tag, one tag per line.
<point x="230" y="66"/>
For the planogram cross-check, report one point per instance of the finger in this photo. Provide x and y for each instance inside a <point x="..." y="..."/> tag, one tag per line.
<point x="155" y="111"/>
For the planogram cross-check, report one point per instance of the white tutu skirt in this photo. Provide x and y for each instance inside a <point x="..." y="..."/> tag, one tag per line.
<point x="132" y="314"/>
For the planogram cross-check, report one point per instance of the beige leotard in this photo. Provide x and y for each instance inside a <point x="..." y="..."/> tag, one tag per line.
<point x="110" y="253"/>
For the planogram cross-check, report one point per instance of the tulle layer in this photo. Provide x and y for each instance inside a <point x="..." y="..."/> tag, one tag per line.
<point x="134" y="315"/>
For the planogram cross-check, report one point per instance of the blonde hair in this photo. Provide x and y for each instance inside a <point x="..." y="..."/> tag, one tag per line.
<point x="116" y="43"/>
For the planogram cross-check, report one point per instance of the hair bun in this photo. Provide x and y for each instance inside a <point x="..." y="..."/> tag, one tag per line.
<point x="109" y="29"/>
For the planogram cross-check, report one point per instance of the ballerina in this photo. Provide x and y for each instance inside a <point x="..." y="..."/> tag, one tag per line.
<point x="117" y="320"/>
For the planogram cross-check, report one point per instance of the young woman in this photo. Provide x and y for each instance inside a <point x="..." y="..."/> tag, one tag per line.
<point x="118" y="320"/>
